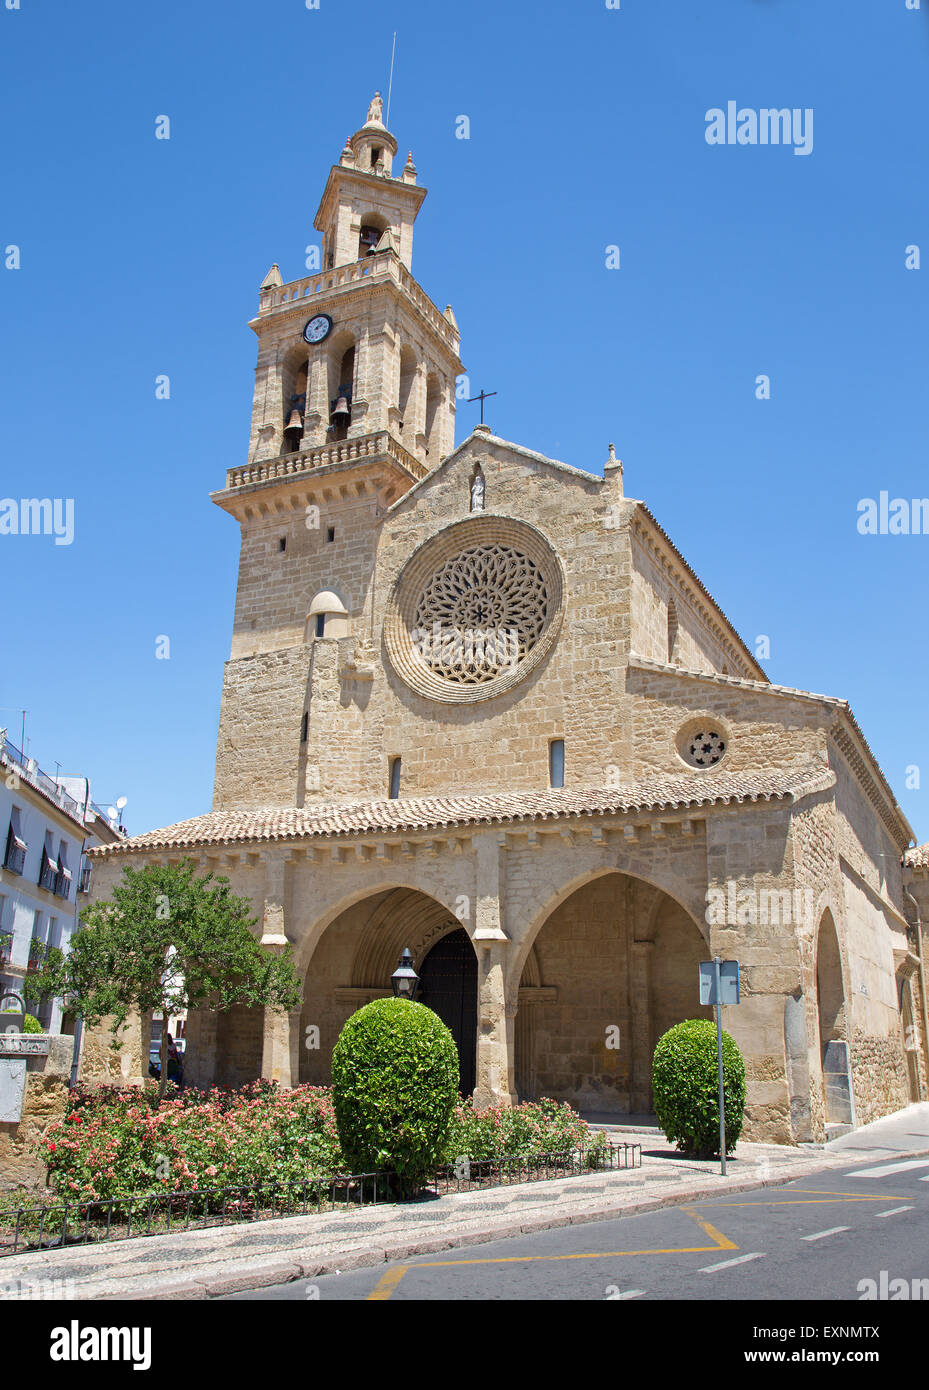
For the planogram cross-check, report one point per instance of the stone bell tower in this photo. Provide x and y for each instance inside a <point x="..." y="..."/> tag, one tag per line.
<point x="358" y="347"/>
<point x="354" y="403"/>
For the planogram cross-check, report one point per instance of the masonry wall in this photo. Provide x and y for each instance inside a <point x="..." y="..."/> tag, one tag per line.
<point x="44" y="1101"/>
<point x="762" y="731"/>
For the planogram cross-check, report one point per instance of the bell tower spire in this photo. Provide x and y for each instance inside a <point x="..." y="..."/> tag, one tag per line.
<point x="356" y="364"/>
<point x="362" y="200"/>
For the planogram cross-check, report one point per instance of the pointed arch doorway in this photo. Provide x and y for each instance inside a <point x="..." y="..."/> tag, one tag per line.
<point x="448" y="986"/>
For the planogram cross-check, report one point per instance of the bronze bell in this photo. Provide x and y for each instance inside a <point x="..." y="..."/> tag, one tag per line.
<point x="340" y="412"/>
<point x="294" y="423"/>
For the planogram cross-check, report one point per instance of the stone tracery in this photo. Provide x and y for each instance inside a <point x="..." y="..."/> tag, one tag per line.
<point x="482" y="611"/>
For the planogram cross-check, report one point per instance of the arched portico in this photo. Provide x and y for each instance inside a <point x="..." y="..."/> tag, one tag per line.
<point x="612" y="965"/>
<point x="352" y="960"/>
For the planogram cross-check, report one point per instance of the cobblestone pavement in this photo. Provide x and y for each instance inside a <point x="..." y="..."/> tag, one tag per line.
<point x="220" y="1260"/>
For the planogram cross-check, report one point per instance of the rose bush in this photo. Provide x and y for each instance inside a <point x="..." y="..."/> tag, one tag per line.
<point x="118" y="1142"/>
<point x="115" y="1142"/>
<point x="535" y="1127"/>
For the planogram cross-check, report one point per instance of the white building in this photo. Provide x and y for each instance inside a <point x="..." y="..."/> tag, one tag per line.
<point x="46" y="824"/>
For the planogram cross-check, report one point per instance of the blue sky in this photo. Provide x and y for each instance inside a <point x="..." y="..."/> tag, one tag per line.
<point x="587" y="130"/>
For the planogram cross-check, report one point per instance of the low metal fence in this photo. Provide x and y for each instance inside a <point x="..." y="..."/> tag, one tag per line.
<point x="54" y="1225"/>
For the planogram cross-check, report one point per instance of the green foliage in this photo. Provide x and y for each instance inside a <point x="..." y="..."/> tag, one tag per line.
<point x="521" y="1131"/>
<point x="32" y="1025"/>
<point x="122" y="1142"/>
<point x="685" y="1082"/>
<point x="395" y="1084"/>
<point x="166" y="941"/>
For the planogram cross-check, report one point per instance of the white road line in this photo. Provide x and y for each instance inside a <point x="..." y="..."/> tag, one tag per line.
<point x="883" y="1168"/>
<point x="630" y="1293"/>
<point x="894" y="1210"/>
<point x="727" y="1264"/>
<point x="821" y="1235"/>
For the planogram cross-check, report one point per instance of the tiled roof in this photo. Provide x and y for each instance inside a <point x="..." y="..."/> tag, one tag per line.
<point x="918" y="858"/>
<point x="442" y="813"/>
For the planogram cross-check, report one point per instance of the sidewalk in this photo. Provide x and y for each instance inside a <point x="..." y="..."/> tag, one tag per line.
<point x="230" y="1259"/>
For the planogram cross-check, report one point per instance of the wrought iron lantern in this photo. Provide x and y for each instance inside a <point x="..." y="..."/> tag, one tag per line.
<point x="405" y="979"/>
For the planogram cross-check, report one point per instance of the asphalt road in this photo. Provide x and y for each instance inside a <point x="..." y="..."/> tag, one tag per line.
<point x="815" y="1239"/>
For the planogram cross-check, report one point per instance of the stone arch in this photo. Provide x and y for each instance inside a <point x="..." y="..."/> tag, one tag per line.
<point x="832" y="1021"/>
<point x="340" y="375"/>
<point x="404" y="917"/>
<point x="612" y="965"/>
<point x="369" y="223"/>
<point x="305" y="948"/>
<point x="353" y="957"/>
<point x="670" y="890"/>
<point x="294" y="376"/>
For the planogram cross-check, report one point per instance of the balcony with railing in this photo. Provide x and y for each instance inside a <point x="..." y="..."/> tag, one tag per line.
<point x="347" y="451"/>
<point x="383" y="265"/>
<point x="29" y="770"/>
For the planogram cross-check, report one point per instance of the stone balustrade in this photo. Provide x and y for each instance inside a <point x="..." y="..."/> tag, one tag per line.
<point x="383" y="265"/>
<point x="310" y="460"/>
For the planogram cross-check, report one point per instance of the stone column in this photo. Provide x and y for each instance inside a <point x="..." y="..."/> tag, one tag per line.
<point x="316" y="415"/>
<point x="418" y="407"/>
<point x="640" y="992"/>
<point x="495" y="1020"/>
<point x="796" y="1049"/>
<point x="200" y="1049"/>
<point x="276" y="1046"/>
<point x="267" y="408"/>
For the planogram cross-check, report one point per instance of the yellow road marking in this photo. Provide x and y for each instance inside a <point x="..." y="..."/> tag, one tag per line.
<point x="723" y="1242"/>
<point x="827" y="1192"/>
<point x="387" y="1283"/>
<point x="803" y="1202"/>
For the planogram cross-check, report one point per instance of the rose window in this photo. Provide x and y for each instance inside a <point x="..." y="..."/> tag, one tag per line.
<point x="474" y="609"/>
<point x="705" y="747"/>
<point x="481" y="613"/>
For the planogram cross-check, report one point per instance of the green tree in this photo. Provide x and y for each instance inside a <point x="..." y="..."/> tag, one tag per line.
<point x="167" y="940"/>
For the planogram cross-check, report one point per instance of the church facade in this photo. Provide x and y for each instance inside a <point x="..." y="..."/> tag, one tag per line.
<point x="479" y="706"/>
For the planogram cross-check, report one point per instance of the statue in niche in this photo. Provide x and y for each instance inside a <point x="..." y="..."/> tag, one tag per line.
<point x="477" y="489"/>
<point x="376" y="109"/>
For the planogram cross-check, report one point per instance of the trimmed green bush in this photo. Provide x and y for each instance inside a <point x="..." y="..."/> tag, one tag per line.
<point x="31" y="1024"/>
<point x="394" y="1087"/>
<point x="685" y="1082"/>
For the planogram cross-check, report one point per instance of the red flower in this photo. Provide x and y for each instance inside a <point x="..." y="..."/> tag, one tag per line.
<point x="51" y="1148"/>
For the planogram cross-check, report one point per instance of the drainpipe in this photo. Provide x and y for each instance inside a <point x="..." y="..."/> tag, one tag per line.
<point x="922" y="983"/>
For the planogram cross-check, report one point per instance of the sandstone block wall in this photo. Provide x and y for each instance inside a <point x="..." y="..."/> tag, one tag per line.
<point x="44" y="1101"/>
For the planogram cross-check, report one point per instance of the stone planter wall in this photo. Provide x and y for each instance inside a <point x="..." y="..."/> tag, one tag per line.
<point x="30" y="1102"/>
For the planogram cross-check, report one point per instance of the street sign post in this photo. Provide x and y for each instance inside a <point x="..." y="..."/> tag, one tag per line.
<point x="719" y="984"/>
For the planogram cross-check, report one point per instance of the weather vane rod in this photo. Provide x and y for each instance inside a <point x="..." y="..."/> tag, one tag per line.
<point x="390" y="81"/>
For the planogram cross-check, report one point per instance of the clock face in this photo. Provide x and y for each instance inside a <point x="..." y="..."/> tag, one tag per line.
<point x="318" y="328"/>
